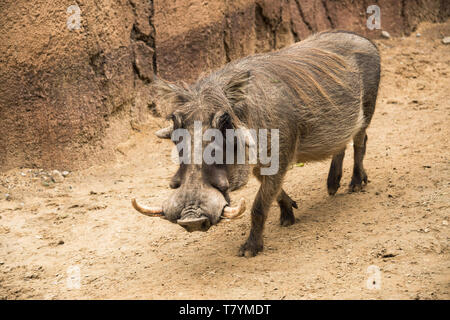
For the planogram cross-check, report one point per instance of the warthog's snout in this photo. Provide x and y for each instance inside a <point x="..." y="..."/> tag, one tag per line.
<point x="195" y="224"/>
<point x="190" y="219"/>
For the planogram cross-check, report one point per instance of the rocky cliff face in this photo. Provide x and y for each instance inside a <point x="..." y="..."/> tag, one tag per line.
<point x="63" y="90"/>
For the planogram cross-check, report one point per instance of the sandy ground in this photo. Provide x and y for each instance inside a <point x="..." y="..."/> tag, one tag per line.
<point x="50" y="232"/>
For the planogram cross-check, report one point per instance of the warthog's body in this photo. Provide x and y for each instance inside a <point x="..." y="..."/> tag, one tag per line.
<point x="320" y="94"/>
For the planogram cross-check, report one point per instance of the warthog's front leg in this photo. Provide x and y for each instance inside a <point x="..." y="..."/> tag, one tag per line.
<point x="268" y="191"/>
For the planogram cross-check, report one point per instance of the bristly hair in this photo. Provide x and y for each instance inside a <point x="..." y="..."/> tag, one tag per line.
<point x="304" y="71"/>
<point x="171" y="96"/>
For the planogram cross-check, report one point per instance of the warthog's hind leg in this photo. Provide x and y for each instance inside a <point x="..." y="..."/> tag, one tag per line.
<point x="335" y="174"/>
<point x="286" y="204"/>
<point x="359" y="174"/>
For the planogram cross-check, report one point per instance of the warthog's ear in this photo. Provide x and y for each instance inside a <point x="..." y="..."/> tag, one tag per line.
<point x="236" y="89"/>
<point x="170" y="92"/>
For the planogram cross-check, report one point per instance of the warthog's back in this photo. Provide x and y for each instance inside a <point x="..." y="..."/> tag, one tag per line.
<point x="313" y="91"/>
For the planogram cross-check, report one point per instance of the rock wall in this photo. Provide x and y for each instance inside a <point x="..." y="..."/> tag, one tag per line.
<point x="67" y="96"/>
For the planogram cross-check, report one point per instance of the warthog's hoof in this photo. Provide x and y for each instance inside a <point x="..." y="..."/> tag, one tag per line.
<point x="287" y="219"/>
<point x="250" y="249"/>
<point x="333" y="189"/>
<point x="357" y="184"/>
<point x="353" y="188"/>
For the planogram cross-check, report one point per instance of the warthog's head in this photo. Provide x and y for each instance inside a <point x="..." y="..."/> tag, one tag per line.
<point x="201" y="196"/>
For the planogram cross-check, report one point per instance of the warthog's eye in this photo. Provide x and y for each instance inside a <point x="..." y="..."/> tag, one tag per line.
<point x="222" y="121"/>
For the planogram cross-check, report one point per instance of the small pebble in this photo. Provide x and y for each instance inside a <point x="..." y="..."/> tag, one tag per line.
<point x="57" y="176"/>
<point x="385" y="34"/>
<point x="446" y="40"/>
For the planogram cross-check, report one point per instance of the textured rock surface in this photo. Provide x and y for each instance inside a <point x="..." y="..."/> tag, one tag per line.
<point x="67" y="96"/>
<point x="59" y="87"/>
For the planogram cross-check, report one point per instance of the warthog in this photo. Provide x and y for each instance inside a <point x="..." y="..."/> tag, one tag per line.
<point x="320" y="93"/>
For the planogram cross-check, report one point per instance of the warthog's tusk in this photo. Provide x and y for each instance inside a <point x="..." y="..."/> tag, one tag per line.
<point x="234" y="212"/>
<point x="165" y="133"/>
<point x="148" y="211"/>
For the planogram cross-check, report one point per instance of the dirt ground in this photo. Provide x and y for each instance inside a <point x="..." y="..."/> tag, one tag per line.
<point x="399" y="224"/>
